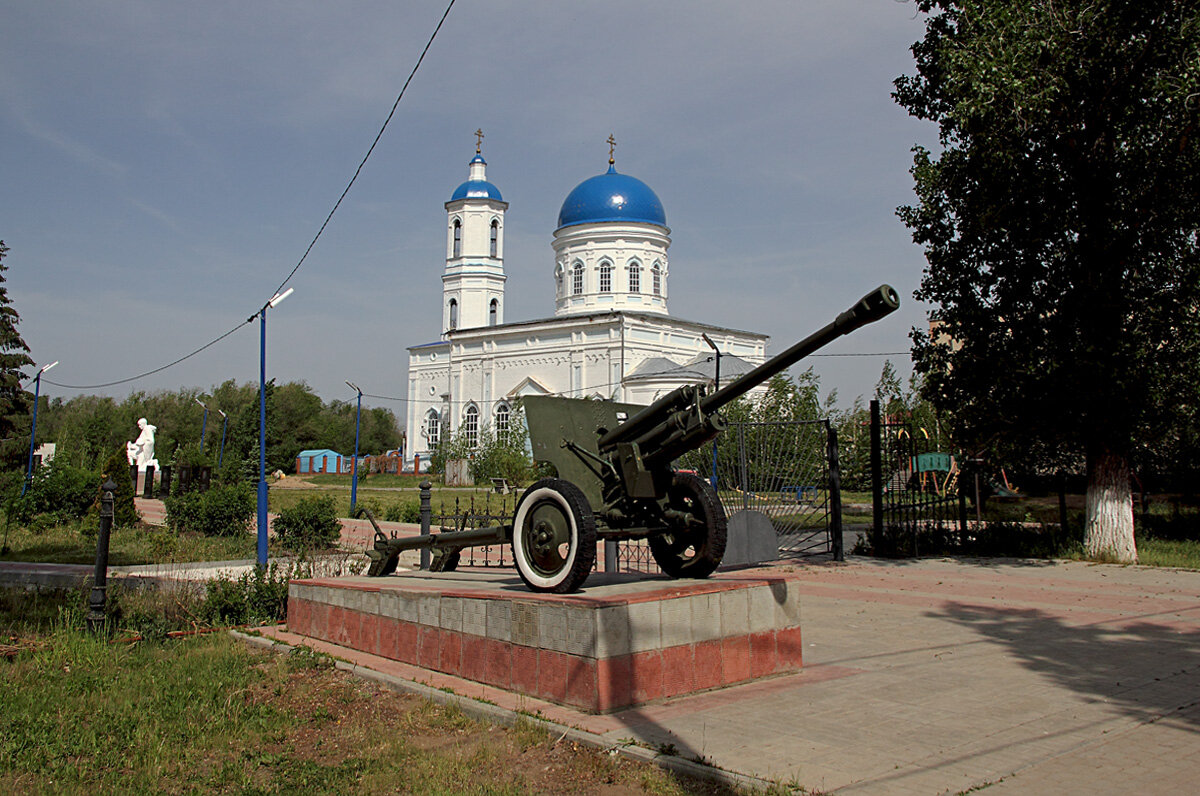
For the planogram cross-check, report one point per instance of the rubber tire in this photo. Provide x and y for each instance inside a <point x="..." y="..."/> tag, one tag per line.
<point x="696" y="496"/>
<point x="563" y="504"/>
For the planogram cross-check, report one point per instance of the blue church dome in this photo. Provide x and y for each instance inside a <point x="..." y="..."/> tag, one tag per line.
<point x="611" y="197"/>
<point x="477" y="189"/>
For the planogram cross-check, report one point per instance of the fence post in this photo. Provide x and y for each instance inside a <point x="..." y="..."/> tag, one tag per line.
<point x="742" y="462"/>
<point x="876" y="470"/>
<point x="99" y="598"/>
<point x="835" y="496"/>
<point x="426" y="518"/>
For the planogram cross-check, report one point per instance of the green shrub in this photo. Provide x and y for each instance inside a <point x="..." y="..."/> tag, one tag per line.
<point x="311" y="524"/>
<point x="58" y="493"/>
<point x="116" y="467"/>
<point x="408" y="511"/>
<point x="224" y="510"/>
<point x="258" y="596"/>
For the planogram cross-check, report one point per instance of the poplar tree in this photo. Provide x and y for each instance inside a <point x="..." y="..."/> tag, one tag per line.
<point x="15" y="402"/>
<point x="1059" y="221"/>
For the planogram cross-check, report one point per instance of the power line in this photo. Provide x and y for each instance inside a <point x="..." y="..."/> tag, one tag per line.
<point x="395" y="104"/>
<point x="150" y="372"/>
<point x="311" y="244"/>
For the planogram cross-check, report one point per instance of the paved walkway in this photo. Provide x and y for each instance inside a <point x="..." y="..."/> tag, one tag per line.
<point x="939" y="676"/>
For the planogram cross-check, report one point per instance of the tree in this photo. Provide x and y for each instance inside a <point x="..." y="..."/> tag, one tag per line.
<point x="1059" y="226"/>
<point x="15" y="402"/>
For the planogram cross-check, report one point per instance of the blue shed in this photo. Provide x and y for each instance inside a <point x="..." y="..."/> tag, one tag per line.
<point x="322" y="461"/>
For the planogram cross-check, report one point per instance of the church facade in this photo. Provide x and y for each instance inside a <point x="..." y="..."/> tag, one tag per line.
<point x="611" y="335"/>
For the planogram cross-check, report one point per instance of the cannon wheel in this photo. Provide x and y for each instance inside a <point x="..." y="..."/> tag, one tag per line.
<point x="554" y="536"/>
<point x="698" y="550"/>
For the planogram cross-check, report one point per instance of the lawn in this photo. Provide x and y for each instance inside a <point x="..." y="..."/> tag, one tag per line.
<point x="140" y="544"/>
<point x="207" y="713"/>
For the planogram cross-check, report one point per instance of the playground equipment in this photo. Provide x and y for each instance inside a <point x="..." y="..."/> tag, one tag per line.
<point x="615" y="480"/>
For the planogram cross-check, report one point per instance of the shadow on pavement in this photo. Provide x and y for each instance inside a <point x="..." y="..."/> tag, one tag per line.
<point x="1150" y="670"/>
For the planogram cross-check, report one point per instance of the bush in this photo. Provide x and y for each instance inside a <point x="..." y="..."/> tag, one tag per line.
<point x="221" y="511"/>
<point x="408" y="511"/>
<point x="309" y="525"/>
<point x="258" y="596"/>
<point x="58" y="491"/>
<point x="116" y="467"/>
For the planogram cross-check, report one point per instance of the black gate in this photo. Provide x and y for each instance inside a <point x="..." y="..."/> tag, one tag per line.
<point x="785" y="471"/>
<point x="914" y="490"/>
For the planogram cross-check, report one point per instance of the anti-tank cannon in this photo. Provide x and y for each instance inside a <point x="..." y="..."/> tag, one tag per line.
<point x="615" y="480"/>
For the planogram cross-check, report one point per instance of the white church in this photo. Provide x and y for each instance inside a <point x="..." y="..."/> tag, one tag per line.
<point x="611" y="335"/>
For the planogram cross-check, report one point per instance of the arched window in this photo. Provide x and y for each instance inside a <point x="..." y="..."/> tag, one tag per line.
<point x="457" y="251"/>
<point x="495" y="239"/>
<point x="606" y="270"/>
<point x="577" y="279"/>
<point x="453" y="314"/>
<point x="656" y="277"/>
<point x="635" y="276"/>
<point x="433" y="428"/>
<point x="558" y="278"/>
<point x="471" y="425"/>
<point x="503" y="413"/>
<point x="493" y="312"/>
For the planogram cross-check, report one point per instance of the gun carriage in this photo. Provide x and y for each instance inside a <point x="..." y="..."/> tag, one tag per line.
<point x="615" y="480"/>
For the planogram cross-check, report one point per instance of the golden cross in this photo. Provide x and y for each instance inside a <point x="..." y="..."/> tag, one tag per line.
<point x="612" y="144"/>
<point x="478" y="140"/>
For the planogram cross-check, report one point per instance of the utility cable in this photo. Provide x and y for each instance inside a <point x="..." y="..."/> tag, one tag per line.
<point x="395" y="104"/>
<point x="311" y="244"/>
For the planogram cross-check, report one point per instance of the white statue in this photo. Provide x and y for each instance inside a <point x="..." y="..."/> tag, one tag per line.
<point x="131" y="450"/>
<point x="144" y="446"/>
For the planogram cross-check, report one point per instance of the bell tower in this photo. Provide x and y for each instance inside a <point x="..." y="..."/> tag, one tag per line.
<point x="473" y="283"/>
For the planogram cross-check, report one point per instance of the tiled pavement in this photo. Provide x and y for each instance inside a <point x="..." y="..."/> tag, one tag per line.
<point x="938" y="676"/>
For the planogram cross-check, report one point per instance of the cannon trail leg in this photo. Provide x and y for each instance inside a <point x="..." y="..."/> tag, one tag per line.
<point x="697" y="550"/>
<point x="554" y="536"/>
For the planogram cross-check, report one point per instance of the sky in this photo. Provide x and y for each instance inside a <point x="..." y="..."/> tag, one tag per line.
<point x="164" y="166"/>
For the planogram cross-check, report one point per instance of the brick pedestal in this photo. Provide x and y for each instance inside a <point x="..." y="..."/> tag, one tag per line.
<point x="622" y="641"/>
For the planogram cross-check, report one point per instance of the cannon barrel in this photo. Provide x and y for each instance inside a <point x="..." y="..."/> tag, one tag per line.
<point x="682" y="420"/>
<point x="870" y="308"/>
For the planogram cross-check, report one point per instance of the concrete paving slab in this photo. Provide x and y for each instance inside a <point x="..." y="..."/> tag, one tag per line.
<point x="943" y="675"/>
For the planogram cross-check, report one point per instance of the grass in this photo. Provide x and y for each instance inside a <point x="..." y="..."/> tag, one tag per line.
<point x="141" y="544"/>
<point x="1181" y="553"/>
<point x="208" y="713"/>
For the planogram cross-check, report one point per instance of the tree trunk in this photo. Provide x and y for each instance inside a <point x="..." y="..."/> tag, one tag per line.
<point x="1108" y="534"/>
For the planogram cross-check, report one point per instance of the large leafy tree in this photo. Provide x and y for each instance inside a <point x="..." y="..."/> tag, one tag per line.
<point x="15" y="402"/>
<point x="1059" y="220"/>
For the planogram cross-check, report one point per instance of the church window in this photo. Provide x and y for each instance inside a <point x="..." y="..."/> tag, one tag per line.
<point x="577" y="279"/>
<point x="493" y="312"/>
<point x="433" y="428"/>
<point x="503" y="413"/>
<point x="495" y="239"/>
<point x="656" y="278"/>
<point x="635" y="277"/>
<point x="457" y="238"/>
<point x="606" y="270"/>
<point x="471" y="426"/>
<point x="453" y="314"/>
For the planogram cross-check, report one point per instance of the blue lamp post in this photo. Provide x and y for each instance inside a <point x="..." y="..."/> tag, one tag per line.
<point x="716" y="386"/>
<point x="262" y="425"/>
<point x="37" y="389"/>
<point x="224" y="425"/>
<point x="354" y="467"/>
<point x="203" y="423"/>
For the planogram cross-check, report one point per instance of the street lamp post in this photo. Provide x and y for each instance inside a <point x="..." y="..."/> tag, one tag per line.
<point x="716" y="386"/>
<point x="262" y="424"/>
<point x="37" y="388"/>
<point x="354" y="467"/>
<point x="224" y="425"/>
<point x="203" y="423"/>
